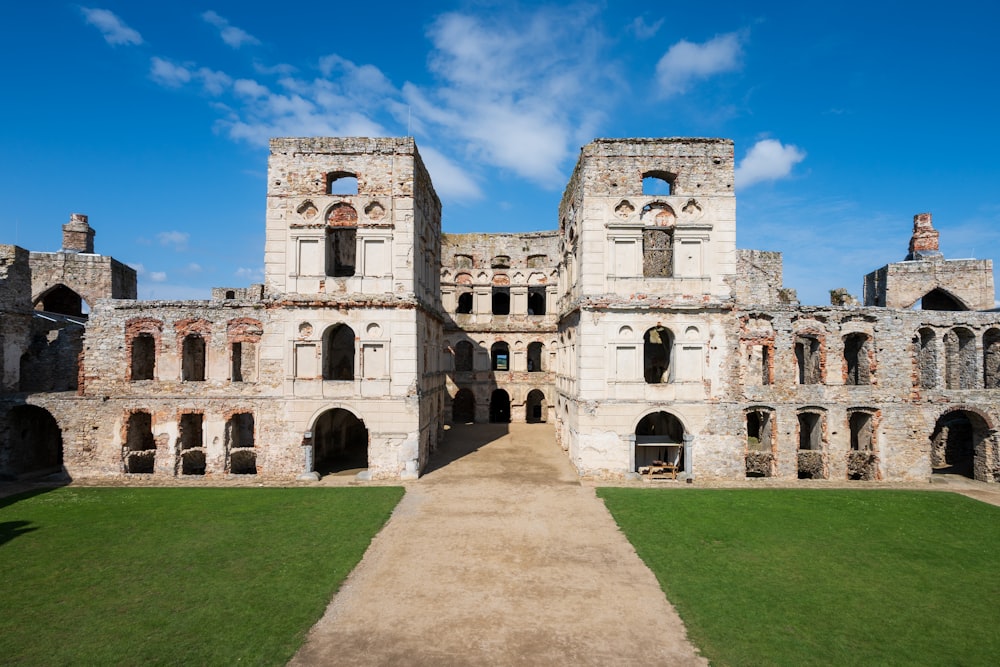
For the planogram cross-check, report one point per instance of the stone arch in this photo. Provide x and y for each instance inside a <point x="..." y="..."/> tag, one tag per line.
<point x="659" y="435"/>
<point x="340" y="441"/>
<point x="964" y="442"/>
<point x="535" y="407"/>
<point x="31" y="442"/>
<point x="960" y="359"/>
<point x="62" y="300"/>
<point x="499" y="407"/>
<point x="941" y="299"/>
<point x="991" y="359"/>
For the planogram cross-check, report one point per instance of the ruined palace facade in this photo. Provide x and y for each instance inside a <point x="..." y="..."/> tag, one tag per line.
<point x="653" y="344"/>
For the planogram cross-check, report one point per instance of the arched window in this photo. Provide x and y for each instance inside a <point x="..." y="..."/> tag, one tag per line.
<point x="658" y="182"/>
<point x="536" y="300"/>
<point x="812" y="443"/>
<point x="241" y="457"/>
<point x="143" y="362"/>
<point x="341" y="183"/>
<point x="501" y="300"/>
<point x="938" y="299"/>
<point x="140" y="448"/>
<point x="657" y="350"/>
<point x="534" y="407"/>
<point x="857" y="353"/>
<point x="463" y="356"/>
<point x="464" y="303"/>
<point x="193" y="358"/>
<point x="535" y="351"/>
<point x="341" y="240"/>
<point x="500" y="355"/>
<point x="338" y="353"/>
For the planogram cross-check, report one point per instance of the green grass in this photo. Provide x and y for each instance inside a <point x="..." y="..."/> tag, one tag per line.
<point x="175" y="576"/>
<point x="800" y="577"/>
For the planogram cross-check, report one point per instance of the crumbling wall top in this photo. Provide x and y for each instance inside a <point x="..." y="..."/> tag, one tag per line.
<point x="344" y="145"/>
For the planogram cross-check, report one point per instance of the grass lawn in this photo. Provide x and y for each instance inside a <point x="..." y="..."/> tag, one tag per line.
<point x="797" y="577"/>
<point x="180" y="576"/>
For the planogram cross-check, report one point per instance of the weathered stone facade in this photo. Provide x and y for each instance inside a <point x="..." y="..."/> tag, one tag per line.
<point x="637" y="327"/>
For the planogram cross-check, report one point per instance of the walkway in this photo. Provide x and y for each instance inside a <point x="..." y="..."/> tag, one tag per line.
<point x="499" y="556"/>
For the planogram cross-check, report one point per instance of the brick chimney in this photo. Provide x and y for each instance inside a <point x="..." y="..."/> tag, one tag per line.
<point x="77" y="235"/>
<point x="924" y="242"/>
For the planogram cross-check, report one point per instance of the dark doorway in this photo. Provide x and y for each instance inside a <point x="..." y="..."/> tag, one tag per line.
<point x="61" y="299"/>
<point x="499" y="407"/>
<point x="534" y="407"/>
<point x="954" y="442"/>
<point x="463" y="407"/>
<point x="340" y="443"/>
<point x="33" y="443"/>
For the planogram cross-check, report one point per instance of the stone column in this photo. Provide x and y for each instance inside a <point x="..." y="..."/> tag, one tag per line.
<point x="309" y="474"/>
<point x="688" y="448"/>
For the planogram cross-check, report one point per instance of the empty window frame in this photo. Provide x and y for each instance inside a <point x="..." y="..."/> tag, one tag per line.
<point x="535" y="355"/>
<point x="657" y="352"/>
<point x="500" y="356"/>
<point x="139" y="450"/>
<point x="464" y="306"/>
<point x="241" y="457"/>
<point x="991" y="359"/>
<point x="857" y="359"/>
<point x="500" y="262"/>
<point x="341" y="251"/>
<point x="657" y="253"/>
<point x="536" y="300"/>
<point x="501" y="300"/>
<point x="193" y="358"/>
<point x="811" y="446"/>
<point x="338" y="353"/>
<point x="191" y="444"/>
<point x="809" y="357"/>
<point x="463" y="261"/>
<point x="143" y="361"/>
<point x="341" y="183"/>
<point x="658" y="182"/>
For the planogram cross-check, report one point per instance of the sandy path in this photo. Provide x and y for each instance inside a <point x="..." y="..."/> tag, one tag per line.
<point x="499" y="556"/>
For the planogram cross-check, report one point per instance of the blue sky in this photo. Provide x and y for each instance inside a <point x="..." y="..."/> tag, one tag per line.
<point x="152" y="118"/>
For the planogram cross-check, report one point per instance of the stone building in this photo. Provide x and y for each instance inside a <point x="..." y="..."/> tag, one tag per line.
<point x="637" y="327"/>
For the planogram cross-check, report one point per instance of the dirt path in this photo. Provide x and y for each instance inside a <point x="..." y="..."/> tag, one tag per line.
<point x="499" y="556"/>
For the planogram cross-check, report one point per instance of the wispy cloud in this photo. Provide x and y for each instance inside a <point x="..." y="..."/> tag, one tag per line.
<point x="767" y="160"/>
<point x="249" y="274"/>
<point x="643" y="30"/>
<point x="174" y="239"/>
<point x="167" y="73"/>
<point x="231" y="35"/>
<point x="158" y="276"/>
<point x="114" y="30"/>
<point x="686" y="62"/>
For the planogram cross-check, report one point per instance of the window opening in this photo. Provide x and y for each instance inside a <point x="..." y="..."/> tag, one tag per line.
<point x="464" y="304"/>
<point x="501" y="301"/>
<point x="143" y="357"/>
<point x="341" y="183"/>
<point x="657" y="253"/>
<point x="857" y="350"/>
<point x="536" y="300"/>
<point x="657" y="183"/>
<point x="191" y="444"/>
<point x="338" y="353"/>
<point x="140" y="448"/>
<point x="808" y="357"/>
<point x="500" y="355"/>
<point x="810" y="454"/>
<point x="241" y="456"/>
<point x="656" y="353"/>
<point x="463" y="356"/>
<point x="535" y="351"/>
<point x="193" y="358"/>
<point x="991" y="359"/>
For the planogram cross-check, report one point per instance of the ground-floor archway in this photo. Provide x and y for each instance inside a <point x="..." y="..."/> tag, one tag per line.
<point x="340" y="443"/>
<point x="959" y="438"/>
<point x="534" y="407"/>
<point x="31" y="442"/>
<point x="659" y="439"/>
<point x="499" y="407"/>
<point x="463" y="407"/>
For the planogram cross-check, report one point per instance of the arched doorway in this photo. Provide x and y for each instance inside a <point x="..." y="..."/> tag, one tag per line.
<point x="33" y="442"/>
<point x="499" y="407"/>
<point x="62" y="300"/>
<point x="463" y="407"/>
<point x="659" y="437"/>
<point x="340" y="443"/>
<point x="534" y="407"/>
<point x="959" y="438"/>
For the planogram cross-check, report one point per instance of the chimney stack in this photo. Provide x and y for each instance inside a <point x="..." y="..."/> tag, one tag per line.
<point x="77" y="235"/>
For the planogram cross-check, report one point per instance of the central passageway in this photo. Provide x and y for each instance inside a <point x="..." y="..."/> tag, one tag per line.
<point x="499" y="556"/>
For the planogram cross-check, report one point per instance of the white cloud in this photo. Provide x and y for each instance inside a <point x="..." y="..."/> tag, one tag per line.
<point x="643" y="30"/>
<point x="168" y="74"/>
<point x="231" y="35"/>
<point x="249" y="88"/>
<point x="767" y="160"/>
<point x="158" y="276"/>
<point x="686" y="62"/>
<point x="215" y="83"/>
<point x="193" y="267"/>
<point x="113" y="28"/>
<point x="174" y="238"/>
<point x="450" y="179"/>
<point x="249" y="274"/>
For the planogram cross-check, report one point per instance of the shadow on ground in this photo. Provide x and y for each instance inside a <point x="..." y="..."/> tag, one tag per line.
<point x="463" y="439"/>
